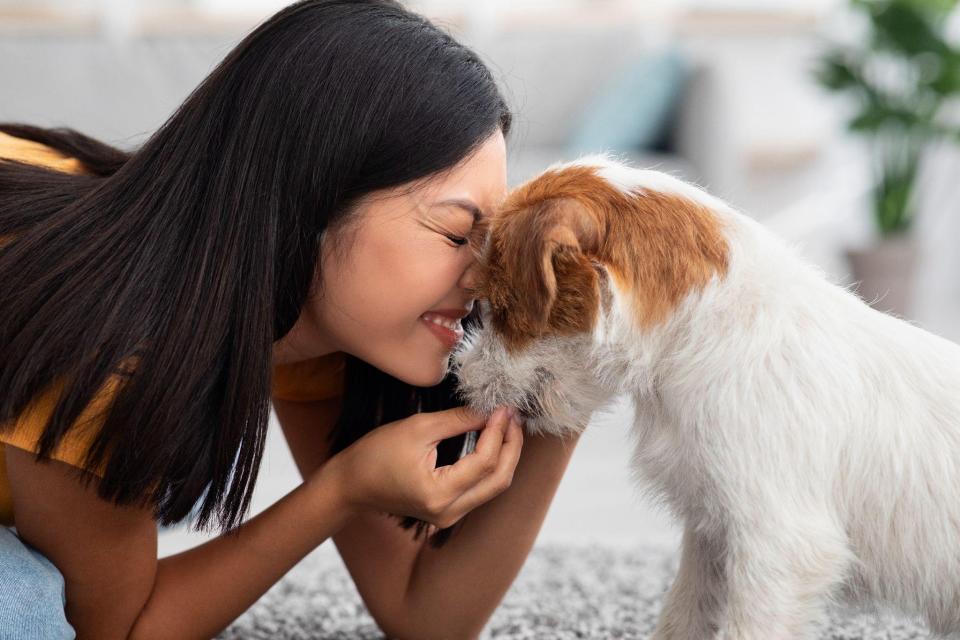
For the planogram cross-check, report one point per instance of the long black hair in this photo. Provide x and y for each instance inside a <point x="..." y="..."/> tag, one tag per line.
<point x="191" y="255"/>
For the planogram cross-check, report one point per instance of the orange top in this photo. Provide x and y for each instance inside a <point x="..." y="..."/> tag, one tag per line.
<point x="314" y="379"/>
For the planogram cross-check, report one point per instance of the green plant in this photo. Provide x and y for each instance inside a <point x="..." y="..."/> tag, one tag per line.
<point x="905" y="76"/>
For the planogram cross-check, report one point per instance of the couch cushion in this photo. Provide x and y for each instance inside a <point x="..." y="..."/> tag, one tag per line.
<point x="634" y="109"/>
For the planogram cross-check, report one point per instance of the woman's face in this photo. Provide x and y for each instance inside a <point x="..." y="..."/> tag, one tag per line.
<point x="403" y="260"/>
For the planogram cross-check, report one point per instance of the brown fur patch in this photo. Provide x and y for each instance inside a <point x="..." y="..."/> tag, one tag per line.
<point x="538" y="271"/>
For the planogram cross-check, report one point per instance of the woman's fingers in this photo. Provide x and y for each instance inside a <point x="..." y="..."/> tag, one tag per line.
<point x="498" y="481"/>
<point x="471" y="468"/>
<point x="452" y="422"/>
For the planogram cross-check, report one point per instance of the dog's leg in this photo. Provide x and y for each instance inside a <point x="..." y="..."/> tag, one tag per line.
<point x="692" y="604"/>
<point x="779" y="577"/>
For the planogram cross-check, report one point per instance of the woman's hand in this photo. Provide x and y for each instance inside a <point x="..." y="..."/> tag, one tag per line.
<point x="392" y="468"/>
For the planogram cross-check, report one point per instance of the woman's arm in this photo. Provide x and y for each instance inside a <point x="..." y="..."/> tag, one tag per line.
<point x="115" y="586"/>
<point x="459" y="585"/>
<point x="198" y="592"/>
<point x="411" y="589"/>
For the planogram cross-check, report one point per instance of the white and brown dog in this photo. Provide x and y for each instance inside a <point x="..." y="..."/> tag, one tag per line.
<point x="809" y="443"/>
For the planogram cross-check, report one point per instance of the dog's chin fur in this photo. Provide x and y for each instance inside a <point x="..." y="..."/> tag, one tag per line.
<point x="538" y="384"/>
<point x="809" y="443"/>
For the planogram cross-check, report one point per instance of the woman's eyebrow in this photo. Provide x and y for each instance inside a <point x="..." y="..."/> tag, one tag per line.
<point x="466" y="205"/>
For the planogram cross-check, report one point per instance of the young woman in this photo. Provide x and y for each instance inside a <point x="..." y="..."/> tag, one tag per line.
<point x="304" y="227"/>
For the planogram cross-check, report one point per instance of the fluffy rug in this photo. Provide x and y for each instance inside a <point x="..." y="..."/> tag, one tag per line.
<point x="562" y="592"/>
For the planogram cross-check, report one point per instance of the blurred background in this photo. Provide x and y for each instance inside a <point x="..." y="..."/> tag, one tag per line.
<point x="834" y="122"/>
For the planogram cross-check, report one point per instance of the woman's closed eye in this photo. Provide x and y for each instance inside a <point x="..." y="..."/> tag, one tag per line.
<point x="457" y="240"/>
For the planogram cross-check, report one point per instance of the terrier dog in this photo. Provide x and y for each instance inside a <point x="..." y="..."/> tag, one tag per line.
<point x="809" y="443"/>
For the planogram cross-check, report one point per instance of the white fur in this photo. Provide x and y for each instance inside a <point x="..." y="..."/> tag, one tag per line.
<point x="809" y="443"/>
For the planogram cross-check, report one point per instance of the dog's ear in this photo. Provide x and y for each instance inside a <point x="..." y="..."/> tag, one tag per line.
<point x="577" y="291"/>
<point x="604" y="284"/>
<point x="541" y="276"/>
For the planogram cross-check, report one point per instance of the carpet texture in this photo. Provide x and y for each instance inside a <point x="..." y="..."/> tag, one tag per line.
<point x="562" y="592"/>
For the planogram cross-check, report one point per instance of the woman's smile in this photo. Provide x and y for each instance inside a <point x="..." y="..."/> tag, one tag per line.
<point x="446" y="328"/>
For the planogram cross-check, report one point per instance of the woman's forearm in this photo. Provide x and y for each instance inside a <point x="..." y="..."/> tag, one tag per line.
<point x="455" y="589"/>
<point x="198" y="592"/>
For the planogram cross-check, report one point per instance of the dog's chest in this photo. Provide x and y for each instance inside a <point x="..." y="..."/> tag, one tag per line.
<point x="667" y="460"/>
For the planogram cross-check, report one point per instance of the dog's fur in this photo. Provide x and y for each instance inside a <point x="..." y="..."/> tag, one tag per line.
<point x="809" y="443"/>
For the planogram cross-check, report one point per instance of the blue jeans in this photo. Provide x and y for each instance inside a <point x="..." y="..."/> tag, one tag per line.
<point x="32" y="594"/>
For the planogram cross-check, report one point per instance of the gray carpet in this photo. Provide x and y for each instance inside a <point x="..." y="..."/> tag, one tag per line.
<point x="561" y="592"/>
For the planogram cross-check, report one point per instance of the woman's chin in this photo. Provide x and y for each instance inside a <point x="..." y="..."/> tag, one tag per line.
<point x="429" y="376"/>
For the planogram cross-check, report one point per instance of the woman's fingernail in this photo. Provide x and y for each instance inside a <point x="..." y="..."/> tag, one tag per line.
<point x="502" y="413"/>
<point x="512" y="413"/>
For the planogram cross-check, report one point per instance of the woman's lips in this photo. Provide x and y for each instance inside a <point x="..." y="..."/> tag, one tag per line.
<point x="446" y="329"/>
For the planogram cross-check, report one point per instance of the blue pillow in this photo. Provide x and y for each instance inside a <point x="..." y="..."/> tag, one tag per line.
<point x="633" y="112"/>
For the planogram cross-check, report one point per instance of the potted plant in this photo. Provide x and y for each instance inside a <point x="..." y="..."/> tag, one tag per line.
<point x="904" y="75"/>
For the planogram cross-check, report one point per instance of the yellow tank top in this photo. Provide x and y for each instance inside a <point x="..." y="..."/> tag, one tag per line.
<point x="314" y="379"/>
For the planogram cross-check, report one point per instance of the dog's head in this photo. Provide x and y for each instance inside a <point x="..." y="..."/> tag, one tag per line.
<point x="579" y="261"/>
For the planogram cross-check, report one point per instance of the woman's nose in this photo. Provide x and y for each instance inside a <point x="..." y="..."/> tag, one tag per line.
<point x="470" y="277"/>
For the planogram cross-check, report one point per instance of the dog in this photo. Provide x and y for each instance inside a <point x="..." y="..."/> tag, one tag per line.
<point x="808" y="443"/>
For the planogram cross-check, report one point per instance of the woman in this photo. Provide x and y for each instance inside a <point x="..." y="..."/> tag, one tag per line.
<point x="305" y="223"/>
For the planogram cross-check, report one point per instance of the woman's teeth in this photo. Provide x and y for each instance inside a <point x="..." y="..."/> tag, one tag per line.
<point x="443" y="321"/>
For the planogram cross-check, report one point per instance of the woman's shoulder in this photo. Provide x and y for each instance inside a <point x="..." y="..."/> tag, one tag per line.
<point x="317" y="378"/>
<point x="31" y="152"/>
<point x="28" y="428"/>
